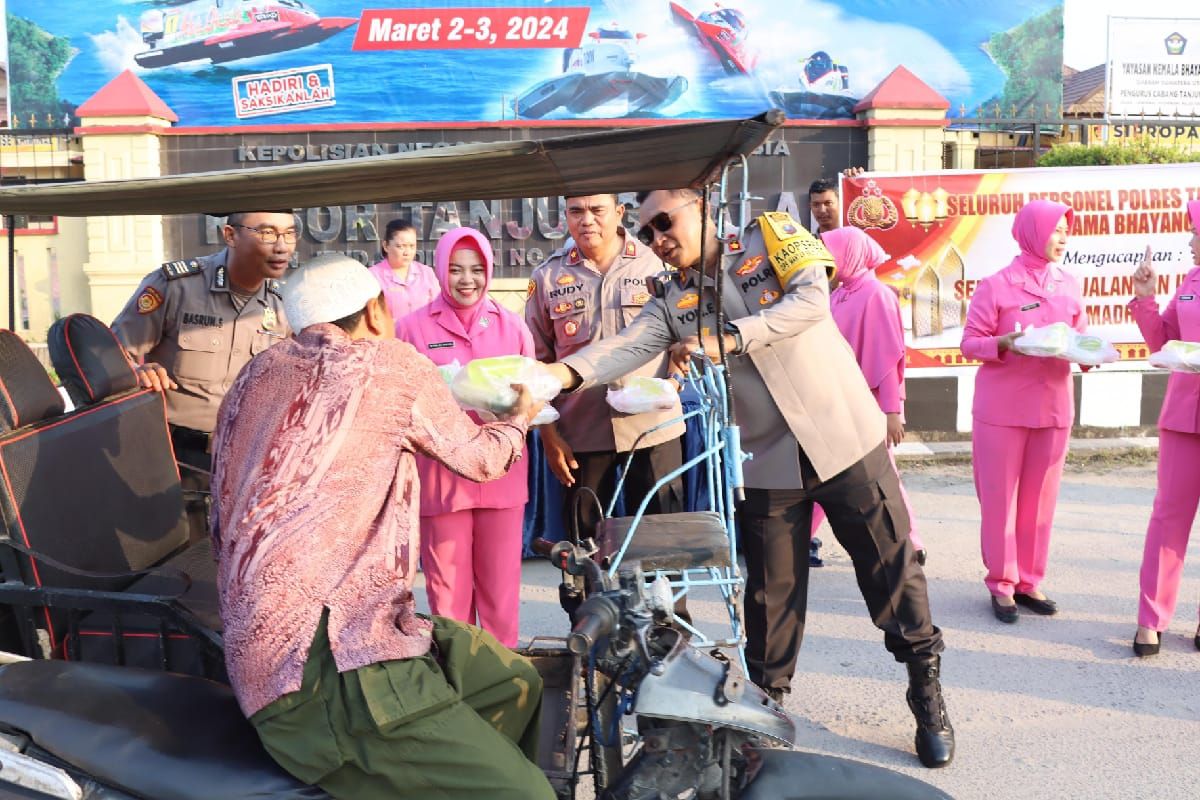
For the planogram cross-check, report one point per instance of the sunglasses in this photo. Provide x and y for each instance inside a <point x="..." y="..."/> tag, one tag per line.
<point x="660" y="222"/>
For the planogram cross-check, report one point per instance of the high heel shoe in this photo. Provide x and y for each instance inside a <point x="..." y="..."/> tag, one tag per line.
<point x="1143" y="649"/>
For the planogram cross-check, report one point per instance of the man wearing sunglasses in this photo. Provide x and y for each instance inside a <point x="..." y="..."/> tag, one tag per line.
<point x="811" y="423"/>
<point x="193" y="324"/>
<point x="589" y="289"/>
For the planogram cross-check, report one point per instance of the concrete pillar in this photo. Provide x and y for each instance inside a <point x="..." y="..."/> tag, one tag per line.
<point x="122" y="250"/>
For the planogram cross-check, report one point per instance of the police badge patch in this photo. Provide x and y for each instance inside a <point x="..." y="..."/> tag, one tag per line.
<point x="149" y="300"/>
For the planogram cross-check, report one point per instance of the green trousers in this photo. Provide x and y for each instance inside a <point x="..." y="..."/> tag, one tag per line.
<point x="458" y="724"/>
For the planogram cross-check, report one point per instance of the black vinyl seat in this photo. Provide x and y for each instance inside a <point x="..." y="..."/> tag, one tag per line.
<point x="152" y="734"/>
<point x="680" y="541"/>
<point x="92" y="508"/>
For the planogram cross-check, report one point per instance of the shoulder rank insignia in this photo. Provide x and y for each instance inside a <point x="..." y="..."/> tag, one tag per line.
<point x="178" y="269"/>
<point x="149" y="300"/>
<point x="630" y="248"/>
<point x="530" y="289"/>
<point x="573" y="256"/>
<point x="790" y="247"/>
<point x="734" y="245"/>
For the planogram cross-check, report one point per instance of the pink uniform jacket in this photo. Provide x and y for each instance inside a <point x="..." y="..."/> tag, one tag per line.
<point x="436" y="332"/>
<point x="1013" y="389"/>
<point x="405" y="297"/>
<point x="1180" y="320"/>
<point x="868" y="314"/>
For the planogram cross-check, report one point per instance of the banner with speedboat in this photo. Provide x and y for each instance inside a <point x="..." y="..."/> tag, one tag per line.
<point x="231" y="62"/>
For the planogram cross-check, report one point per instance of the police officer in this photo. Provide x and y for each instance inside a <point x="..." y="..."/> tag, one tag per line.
<point x="589" y="289"/>
<point x="815" y="431"/>
<point x="192" y="325"/>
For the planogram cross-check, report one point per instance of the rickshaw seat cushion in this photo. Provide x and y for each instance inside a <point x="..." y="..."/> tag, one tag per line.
<point x="684" y="540"/>
<point x="151" y="734"/>
<point x="27" y="394"/>
<point x="88" y="359"/>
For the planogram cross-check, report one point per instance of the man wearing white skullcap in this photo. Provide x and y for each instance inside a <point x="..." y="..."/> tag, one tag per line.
<point x="315" y="523"/>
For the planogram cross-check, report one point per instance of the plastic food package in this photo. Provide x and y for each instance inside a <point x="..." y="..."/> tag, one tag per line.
<point x="1177" y="356"/>
<point x="448" y="371"/>
<point x="1052" y="340"/>
<point x="641" y="394"/>
<point x="1059" y="340"/>
<point x="485" y="385"/>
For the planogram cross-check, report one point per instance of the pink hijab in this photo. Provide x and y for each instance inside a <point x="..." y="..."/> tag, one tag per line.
<point x="457" y="239"/>
<point x="865" y="310"/>
<point x="1031" y="228"/>
<point x="855" y="256"/>
<point x="1193" y="208"/>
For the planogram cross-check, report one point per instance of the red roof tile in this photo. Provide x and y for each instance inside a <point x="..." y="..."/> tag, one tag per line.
<point x="902" y="89"/>
<point x="126" y="95"/>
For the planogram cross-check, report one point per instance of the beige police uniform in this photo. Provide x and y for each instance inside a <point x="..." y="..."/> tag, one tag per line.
<point x="794" y="373"/>
<point x="183" y="317"/>
<point x="571" y="305"/>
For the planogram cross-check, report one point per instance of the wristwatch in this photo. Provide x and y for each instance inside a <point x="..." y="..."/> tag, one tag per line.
<point x="733" y="331"/>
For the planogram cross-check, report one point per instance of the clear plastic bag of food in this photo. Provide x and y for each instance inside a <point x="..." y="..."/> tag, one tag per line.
<point x="1060" y="340"/>
<point x="448" y="371"/>
<point x="485" y="385"/>
<point x="640" y="394"/>
<point x="1090" y="350"/>
<point x="1177" y="356"/>
<point x="1046" y="342"/>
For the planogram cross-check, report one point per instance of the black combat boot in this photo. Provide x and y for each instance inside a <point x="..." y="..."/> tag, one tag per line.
<point x="935" y="735"/>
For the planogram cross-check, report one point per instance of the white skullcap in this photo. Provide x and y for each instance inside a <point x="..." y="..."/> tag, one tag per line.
<point x="327" y="288"/>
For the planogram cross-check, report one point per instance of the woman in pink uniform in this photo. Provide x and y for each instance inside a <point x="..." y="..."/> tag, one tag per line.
<point x="1178" y="447"/>
<point x="407" y="283"/>
<point x="470" y="532"/>
<point x="868" y="315"/>
<point x="1023" y="409"/>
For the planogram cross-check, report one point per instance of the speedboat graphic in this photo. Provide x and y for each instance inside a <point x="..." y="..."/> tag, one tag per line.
<point x="824" y="92"/>
<point x="599" y="73"/>
<point x="227" y="30"/>
<point x="723" y="32"/>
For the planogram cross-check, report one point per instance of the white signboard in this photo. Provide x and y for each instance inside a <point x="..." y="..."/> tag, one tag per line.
<point x="1154" y="67"/>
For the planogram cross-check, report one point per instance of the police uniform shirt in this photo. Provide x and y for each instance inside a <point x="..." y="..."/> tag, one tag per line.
<point x="183" y="316"/>
<point x="795" y="371"/>
<point x="570" y="304"/>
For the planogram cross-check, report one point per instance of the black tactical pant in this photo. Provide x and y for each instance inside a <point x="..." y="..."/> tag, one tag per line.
<point x="869" y="519"/>
<point x="195" y="475"/>
<point x="598" y="472"/>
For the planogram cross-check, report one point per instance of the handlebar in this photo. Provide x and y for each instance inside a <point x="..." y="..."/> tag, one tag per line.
<point x="594" y="620"/>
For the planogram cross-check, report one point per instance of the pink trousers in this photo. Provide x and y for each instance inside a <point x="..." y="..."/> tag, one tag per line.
<point x="1170" y="523"/>
<point x="472" y="565"/>
<point x="819" y="513"/>
<point x="1017" y="472"/>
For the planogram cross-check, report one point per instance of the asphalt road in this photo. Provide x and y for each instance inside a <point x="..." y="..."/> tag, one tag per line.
<point x="1052" y="707"/>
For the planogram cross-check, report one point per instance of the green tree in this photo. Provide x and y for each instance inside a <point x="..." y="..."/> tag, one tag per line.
<point x="35" y="59"/>
<point x="1031" y="57"/>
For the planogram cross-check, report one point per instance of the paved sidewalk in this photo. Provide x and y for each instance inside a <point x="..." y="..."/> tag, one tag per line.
<point x="957" y="451"/>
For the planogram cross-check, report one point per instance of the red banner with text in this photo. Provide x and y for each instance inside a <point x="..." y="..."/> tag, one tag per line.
<point x="947" y="230"/>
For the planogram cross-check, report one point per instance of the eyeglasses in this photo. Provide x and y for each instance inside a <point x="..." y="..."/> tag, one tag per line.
<point x="660" y="222"/>
<point x="270" y="235"/>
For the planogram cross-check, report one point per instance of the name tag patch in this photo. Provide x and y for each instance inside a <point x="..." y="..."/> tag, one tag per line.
<point x="1187" y="297"/>
<point x="1031" y="306"/>
<point x="440" y="345"/>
